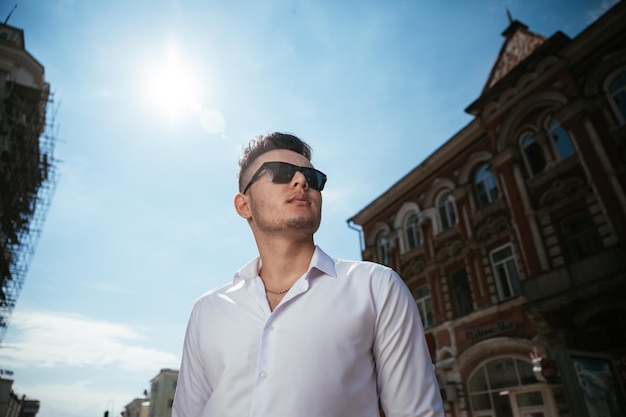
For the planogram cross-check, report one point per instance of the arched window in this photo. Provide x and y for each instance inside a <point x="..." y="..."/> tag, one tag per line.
<point x="413" y="232"/>
<point x="533" y="155"/>
<point x="617" y="91"/>
<point x="486" y="186"/>
<point x="383" y="248"/>
<point x="490" y="385"/>
<point x="447" y="213"/>
<point x="560" y="139"/>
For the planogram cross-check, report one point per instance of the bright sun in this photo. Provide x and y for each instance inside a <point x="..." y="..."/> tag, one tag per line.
<point x="172" y="87"/>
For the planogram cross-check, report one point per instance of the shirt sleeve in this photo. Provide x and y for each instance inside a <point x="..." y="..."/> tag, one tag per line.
<point x="193" y="389"/>
<point x="405" y="374"/>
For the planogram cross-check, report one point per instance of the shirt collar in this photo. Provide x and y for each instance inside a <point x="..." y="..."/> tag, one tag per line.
<point x="320" y="262"/>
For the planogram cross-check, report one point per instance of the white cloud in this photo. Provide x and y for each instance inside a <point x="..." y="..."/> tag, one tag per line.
<point x="53" y="339"/>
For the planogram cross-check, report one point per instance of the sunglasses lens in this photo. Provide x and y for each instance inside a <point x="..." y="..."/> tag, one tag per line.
<point x="282" y="173"/>
<point x="313" y="178"/>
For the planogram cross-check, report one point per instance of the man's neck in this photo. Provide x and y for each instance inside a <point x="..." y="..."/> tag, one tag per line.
<point x="284" y="261"/>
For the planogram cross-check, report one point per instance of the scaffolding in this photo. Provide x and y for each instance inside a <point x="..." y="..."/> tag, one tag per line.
<point x="27" y="181"/>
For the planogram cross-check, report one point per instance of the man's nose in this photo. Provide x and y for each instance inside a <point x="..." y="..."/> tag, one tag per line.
<point x="299" y="179"/>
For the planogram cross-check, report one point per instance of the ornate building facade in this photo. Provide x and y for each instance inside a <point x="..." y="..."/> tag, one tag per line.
<point x="512" y="235"/>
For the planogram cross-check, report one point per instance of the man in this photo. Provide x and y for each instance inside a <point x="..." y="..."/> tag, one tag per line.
<point x="298" y="333"/>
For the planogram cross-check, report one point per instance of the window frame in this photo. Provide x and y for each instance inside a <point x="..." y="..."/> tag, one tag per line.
<point x="616" y="90"/>
<point x="424" y="305"/>
<point x="587" y="240"/>
<point x="462" y="301"/>
<point x="486" y="181"/>
<point x="524" y="378"/>
<point x="413" y="231"/>
<point x="445" y="205"/>
<point x="514" y="286"/>
<point x="529" y="144"/>
<point x="553" y="127"/>
<point x="383" y="247"/>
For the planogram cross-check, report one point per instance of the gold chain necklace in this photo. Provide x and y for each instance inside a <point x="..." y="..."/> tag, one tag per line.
<point x="277" y="292"/>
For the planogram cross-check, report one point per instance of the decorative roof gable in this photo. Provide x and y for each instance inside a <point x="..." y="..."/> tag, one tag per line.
<point x="519" y="44"/>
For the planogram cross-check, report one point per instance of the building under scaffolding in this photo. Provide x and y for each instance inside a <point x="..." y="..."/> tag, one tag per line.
<point x="27" y="164"/>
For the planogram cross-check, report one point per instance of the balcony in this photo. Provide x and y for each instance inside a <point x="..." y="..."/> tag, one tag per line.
<point x="583" y="277"/>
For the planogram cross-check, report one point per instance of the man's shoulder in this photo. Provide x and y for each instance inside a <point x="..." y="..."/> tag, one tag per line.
<point x="365" y="273"/>
<point x="351" y="266"/>
<point x="362" y="269"/>
<point x="215" y="293"/>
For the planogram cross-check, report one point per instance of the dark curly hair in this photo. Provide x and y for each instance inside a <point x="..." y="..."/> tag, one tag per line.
<point x="269" y="142"/>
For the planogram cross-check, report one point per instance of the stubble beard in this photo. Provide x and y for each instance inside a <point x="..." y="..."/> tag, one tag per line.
<point x="302" y="224"/>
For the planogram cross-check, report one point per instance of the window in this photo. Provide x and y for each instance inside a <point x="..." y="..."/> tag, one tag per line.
<point x="605" y="330"/>
<point x="486" y="186"/>
<point x="461" y="293"/>
<point x="422" y="298"/>
<point x="413" y="232"/>
<point x="490" y="383"/>
<point x="447" y="214"/>
<point x="581" y="237"/>
<point x="533" y="155"/>
<point x="505" y="271"/>
<point x="560" y="139"/>
<point x="383" y="248"/>
<point x="617" y="91"/>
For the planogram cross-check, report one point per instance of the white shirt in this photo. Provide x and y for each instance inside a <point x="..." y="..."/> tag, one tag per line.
<point x="346" y="334"/>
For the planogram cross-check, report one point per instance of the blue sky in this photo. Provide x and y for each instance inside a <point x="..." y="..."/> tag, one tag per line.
<point x="155" y="101"/>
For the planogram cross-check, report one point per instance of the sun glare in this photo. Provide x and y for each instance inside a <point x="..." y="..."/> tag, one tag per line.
<point x="172" y="87"/>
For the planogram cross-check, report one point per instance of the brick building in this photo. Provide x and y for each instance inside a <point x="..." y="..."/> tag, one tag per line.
<point x="512" y="235"/>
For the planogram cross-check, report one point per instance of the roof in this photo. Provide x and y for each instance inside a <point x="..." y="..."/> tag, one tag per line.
<point x="518" y="45"/>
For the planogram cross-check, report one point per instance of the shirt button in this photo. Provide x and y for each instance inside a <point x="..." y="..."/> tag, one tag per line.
<point x="270" y="327"/>
<point x="263" y="375"/>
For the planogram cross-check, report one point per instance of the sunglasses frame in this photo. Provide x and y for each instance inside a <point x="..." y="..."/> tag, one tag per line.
<point x="319" y="175"/>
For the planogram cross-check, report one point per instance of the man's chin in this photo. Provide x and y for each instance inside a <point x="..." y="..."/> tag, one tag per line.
<point x="304" y="225"/>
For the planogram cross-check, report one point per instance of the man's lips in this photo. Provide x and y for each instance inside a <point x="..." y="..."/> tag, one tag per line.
<point x="298" y="198"/>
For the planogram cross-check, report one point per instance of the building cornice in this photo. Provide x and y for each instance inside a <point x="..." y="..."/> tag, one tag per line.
<point x="430" y="167"/>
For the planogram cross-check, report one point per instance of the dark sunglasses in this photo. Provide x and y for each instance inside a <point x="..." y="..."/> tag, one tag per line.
<point x="282" y="173"/>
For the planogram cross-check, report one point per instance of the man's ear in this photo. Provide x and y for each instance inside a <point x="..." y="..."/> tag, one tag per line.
<point x="242" y="206"/>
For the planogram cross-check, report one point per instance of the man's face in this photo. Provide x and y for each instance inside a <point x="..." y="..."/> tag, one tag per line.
<point x="291" y="207"/>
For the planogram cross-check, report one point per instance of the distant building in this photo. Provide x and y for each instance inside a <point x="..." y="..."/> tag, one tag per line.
<point x="29" y="407"/>
<point x="512" y="235"/>
<point x="11" y="405"/>
<point x="9" y="401"/>
<point x="162" y="389"/>
<point x="139" y="407"/>
<point x="27" y="165"/>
